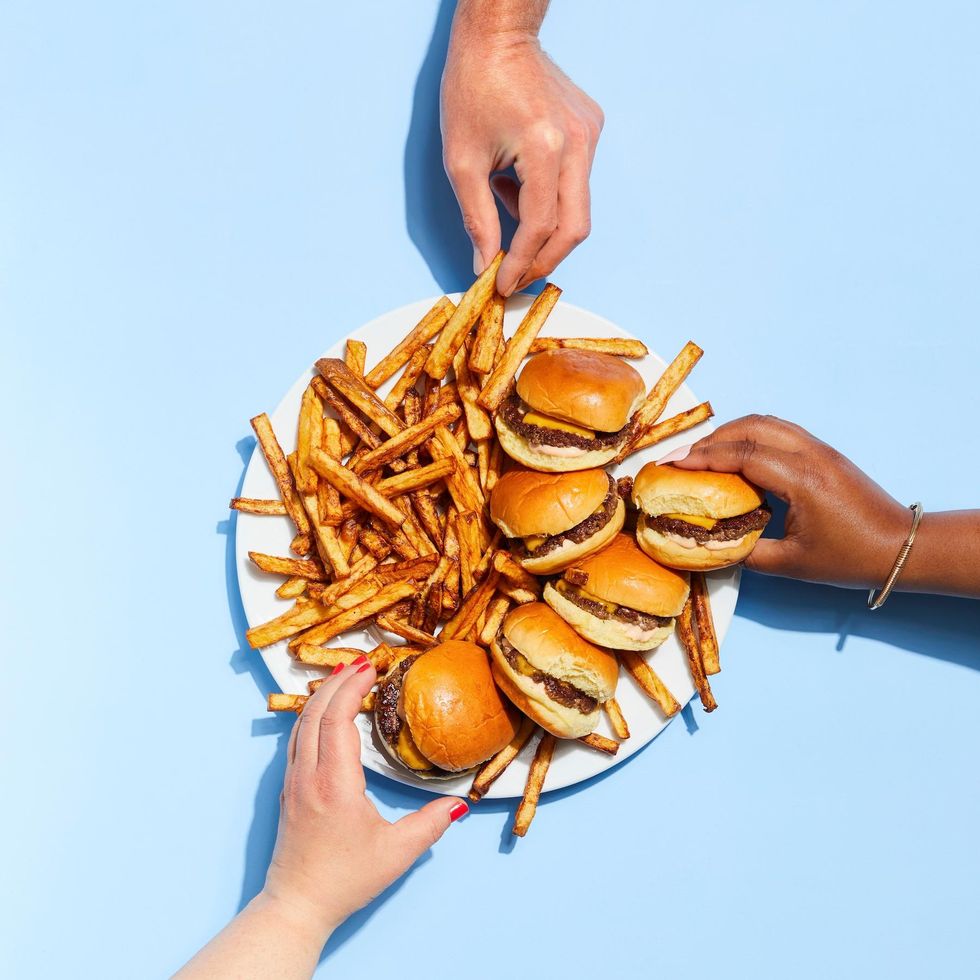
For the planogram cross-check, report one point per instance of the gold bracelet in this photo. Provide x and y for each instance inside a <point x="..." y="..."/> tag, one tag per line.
<point x="886" y="589"/>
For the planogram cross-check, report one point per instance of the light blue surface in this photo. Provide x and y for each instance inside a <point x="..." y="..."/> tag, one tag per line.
<point x="197" y="198"/>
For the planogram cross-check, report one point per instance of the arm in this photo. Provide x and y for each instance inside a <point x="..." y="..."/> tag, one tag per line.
<point x="505" y="103"/>
<point x="334" y="851"/>
<point x="841" y="527"/>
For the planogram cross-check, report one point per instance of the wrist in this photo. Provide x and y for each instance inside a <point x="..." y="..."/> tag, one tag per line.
<point x="305" y="923"/>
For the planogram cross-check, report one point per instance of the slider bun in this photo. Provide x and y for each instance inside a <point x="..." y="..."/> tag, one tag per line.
<point x="517" y="447"/>
<point x="623" y="574"/>
<point x="570" y="552"/>
<point x="551" y="646"/>
<point x="525" y="503"/>
<point x="610" y="633"/>
<point x="698" y="559"/>
<point x="453" y="709"/>
<point x="598" y="391"/>
<point x="667" y="490"/>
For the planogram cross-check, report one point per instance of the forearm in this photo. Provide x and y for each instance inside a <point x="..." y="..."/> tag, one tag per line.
<point x="267" y="939"/>
<point x="945" y="558"/>
<point x="480" y="18"/>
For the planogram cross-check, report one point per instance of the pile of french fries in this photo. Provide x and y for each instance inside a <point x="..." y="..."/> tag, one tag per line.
<point x="388" y="499"/>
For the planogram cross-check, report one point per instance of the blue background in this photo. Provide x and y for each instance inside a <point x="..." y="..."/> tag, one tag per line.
<point x="197" y="198"/>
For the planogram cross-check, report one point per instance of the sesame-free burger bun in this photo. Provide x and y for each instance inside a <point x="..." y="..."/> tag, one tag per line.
<point x="547" y="644"/>
<point x="524" y="502"/>
<point x="668" y="490"/>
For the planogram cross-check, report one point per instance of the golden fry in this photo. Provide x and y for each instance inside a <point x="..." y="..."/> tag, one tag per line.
<point x="407" y="439"/>
<point x="615" y="715"/>
<point x="340" y="377"/>
<point x="649" y="682"/>
<point x="535" y="783"/>
<point x="685" y="633"/>
<point x="600" y="743"/>
<point x="420" y="334"/>
<point x="494" y="616"/>
<point x="406" y="631"/>
<point x="355" y="354"/>
<point x="280" y="470"/>
<point x="286" y="702"/>
<point x="672" y="426"/>
<point x="618" y="346"/>
<point x="293" y="567"/>
<point x="705" y="623"/>
<point x="489" y="336"/>
<point x="249" y="505"/>
<point x="477" y="421"/>
<point x="292" y="588"/>
<point x="493" y="768"/>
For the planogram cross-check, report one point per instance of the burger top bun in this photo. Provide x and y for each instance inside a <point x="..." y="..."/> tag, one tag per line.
<point x="667" y="490"/>
<point x="623" y="574"/>
<point x="457" y="716"/>
<point x="598" y="391"/>
<point x="525" y="502"/>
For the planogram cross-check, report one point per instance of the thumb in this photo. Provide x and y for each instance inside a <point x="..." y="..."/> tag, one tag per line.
<point x="418" y="831"/>
<point x="774" y="556"/>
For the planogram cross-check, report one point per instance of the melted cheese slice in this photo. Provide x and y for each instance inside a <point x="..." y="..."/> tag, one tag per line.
<point x="409" y="753"/>
<point x="562" y="586"/>
<point x="533" y="418"/>
<point x="706" y="522"/>
<point x="532" y="544"/>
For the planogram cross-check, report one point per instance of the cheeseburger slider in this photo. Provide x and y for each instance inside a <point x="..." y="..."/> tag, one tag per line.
<point x="629" y="601"/>
<point x="556" y="518"/>
<point x="696" y="519"/>
<point x="571" y="410"/>
<point x="555" y="677"/>
<point x="439" y="713"/>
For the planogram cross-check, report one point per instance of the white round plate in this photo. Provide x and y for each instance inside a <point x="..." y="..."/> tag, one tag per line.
<point x="573" y="762"/>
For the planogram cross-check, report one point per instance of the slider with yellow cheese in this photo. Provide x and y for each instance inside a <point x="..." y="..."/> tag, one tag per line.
<point x="439" y="713"/>
<point x="571" y="411"/>
<point x="626" y="601"/>
<point x="697" y="520"/>
<point x="555" y="519"/>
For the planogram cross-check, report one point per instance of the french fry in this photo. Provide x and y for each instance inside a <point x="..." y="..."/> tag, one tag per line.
<point x="471" y="304"/>
<point x="368" y="702"/>
<point x="483" y="463"/>
<point x="280" y="470"/>
<point x="500" y="379"/>
<point x="477" y="420"/>
<point x="407" y="439"/>
<point x="355" y="354"/>
<point x="600" y="743"/>
<point x="535" y="782"/>
<point x="360" y="570"/>
<point x="292" y="588"/>
<point x="494" y="617"/>
<point x="293" y="621"/>
<point x="419" y="335"/>
<point x="286" y="702"/>
<point x="432" y="612"/>
<point x="340" y="377"/>
<point x="705" y="624"/>
<point x="375" y="543"/>
<point x="576" y="576"/>
<point x="293" y="567"/>
<point x="494" y="467"/>
<point x="302" y="544"/>
<point x="424" y="506"/>
<point x="650" y="683"/>
<point x="494" y="768"/>
<point x="475" y="602"/>
<point x="406" y="631"/>
<point x="325" y="657"/>
<point x="656" y="400"/>
<point x="618" y="346"/>
<point x="615" y="715"/>
<point x="249" y="505"/>
<point x="328" y="499"/>
<point x="356" y="427"/>
<point x="413" y="568"/>
<point x="489" y="336"/>
<point x="516" y="574"/>
<point x="406" y="383"/>
<point x="463" y="485"/>
<point x="685" y="633"/>
<point x="672" y="426"/>
<point x="308" y="435"/>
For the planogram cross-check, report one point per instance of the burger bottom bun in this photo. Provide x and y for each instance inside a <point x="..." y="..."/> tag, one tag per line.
<point x="434" y="773"/>
<point x="570" y="552"/>
<point x="661" y="548"/>
<point x="530" y="697"/>
<point x="520" y="449"/>
<point x="604" y="632"/>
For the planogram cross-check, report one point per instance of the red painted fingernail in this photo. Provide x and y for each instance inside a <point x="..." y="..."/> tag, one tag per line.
<point x="459" y="810"/>
<point x="363" y="668"/>
<point x="338" y="669"/>
<point x="359" y="660"/>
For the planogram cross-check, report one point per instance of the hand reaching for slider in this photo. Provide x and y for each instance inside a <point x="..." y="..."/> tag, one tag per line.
<point x="505" y="103"/>
<point x="841" y="527"/>
<point x="334" y="852"/>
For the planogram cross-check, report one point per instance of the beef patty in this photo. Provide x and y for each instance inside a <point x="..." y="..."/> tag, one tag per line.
<point x="727" y="529"/>
<point x="386" y="705"/>
<point x="560" y="691"/>
<point x="624" y="614"/>
<point x="584" y="529"/>
<point x="513" y="411"/>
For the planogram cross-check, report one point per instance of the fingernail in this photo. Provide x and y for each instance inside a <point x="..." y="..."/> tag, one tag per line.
<point x="676" y="456"/>
<point x="359" y="660"/>
<point x="459" y="810"/>
<point x="338" y="669"/>
<point x="363" y="668"/>
<point x="477" y="262"/>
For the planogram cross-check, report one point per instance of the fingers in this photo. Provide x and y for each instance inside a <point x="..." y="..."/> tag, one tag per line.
<point x="418" y="831"/>
<point x="766" y="429"/>
<point x="306" y="732"/>
<point x="339" y="758"/>
<point x="772" y="469"/>
<point x="479" y="210"/>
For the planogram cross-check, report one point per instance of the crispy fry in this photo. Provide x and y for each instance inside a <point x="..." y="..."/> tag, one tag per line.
<point x="308" y="435"/>
<point x="307" y="568"/>
<point x="618" y="346"/>
<point x="291" y="622"/>
<point x="705" y="623"/>
<point x="249" y="505"/>
<point x="405" y="385"/>
<point x="514" y="573"/>
<point x="313" y="656"/>
<point x="292" y="588"/>
<point x="649" y="682"/>
<point x="658" y="396"/>
<point x="413" y="568"/>
<point x="464" y="316"/>
<point x="463" y="485"/>
<point x="340" y="377"/>
<point x="368" y="702"/>
<point x="406" y="631"/>
<point x="328" y="499"/>
<point x="286" y="702"/>
<point x="535" y="783"/>
<point x="420" y="334"/>
<point x="518" y="593"/>
<point x="302" y="544"/>
<point x="432" y="612"/>
<point x="615" y="715"/>
<point x="477" y="420"/>
<point x="499" y="382"/>
<point x="351" y="420"/>
<point x="474" y="603"/>
<point x="280" y="470"/>
<point x="494" y="466"/>
<point x="494" y="768"/>
<point x="685" y="633"/>
<point x="375" y="542"/>
<point x="576" y="576"/>
<point x="489" y="335"/>
<point x="407" y="439"/>
<point x="600" y="743"/>
<point x="672" y="426"/>
<point x="494" y="616"/>
<point x="355" y="354"/>
<point x="483" y="463"/>
<point x="424" y="505"/>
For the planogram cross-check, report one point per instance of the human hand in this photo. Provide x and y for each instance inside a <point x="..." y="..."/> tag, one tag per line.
<point x="334" y="852"/>
<point x="505" y="103"/>
<point x="841" y="527"/>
